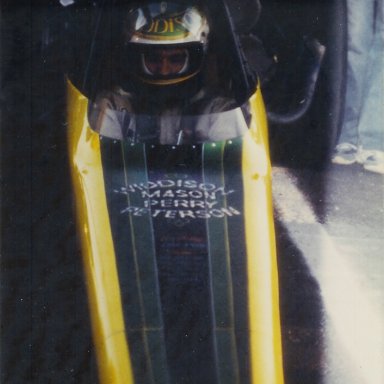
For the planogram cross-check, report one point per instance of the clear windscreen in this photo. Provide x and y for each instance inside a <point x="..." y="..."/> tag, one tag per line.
<point x="117" y="116"/>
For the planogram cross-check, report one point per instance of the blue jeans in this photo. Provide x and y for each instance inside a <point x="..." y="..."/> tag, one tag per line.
<point x="363" y="122"/>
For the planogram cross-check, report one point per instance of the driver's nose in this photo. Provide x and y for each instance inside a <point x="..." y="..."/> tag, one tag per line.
<point x="165" y="67"/>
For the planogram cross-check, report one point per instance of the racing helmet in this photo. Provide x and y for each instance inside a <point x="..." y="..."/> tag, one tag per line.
<point x="165" y="42"/>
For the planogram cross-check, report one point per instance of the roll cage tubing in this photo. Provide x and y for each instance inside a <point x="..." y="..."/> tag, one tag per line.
<point x="236" y="72"/>
<point x="244" y="79"/>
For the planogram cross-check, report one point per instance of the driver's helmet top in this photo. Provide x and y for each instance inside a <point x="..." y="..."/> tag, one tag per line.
<point x="165" y="42"/>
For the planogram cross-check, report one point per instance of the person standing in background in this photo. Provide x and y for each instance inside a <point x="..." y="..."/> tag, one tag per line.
<point x="361" y="137"/>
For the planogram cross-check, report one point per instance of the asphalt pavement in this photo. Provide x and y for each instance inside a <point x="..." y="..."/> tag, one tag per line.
<point x="330" y="232"/>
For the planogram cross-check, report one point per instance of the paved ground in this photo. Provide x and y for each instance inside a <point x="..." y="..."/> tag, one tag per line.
<point x="330" y="240"/>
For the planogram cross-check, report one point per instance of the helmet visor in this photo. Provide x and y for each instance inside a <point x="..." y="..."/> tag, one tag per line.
<point x="164" y="62"/>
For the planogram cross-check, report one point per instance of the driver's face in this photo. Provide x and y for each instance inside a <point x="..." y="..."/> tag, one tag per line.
<point x="166" y="61"/>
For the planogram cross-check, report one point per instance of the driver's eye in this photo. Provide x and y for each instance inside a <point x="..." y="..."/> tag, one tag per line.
<point x="177" y="59"/>
<point x="153" y="58"/>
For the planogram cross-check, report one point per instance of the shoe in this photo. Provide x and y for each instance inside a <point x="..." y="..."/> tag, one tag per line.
<point x="345" y="154"/>
<point x="372" y="161"/>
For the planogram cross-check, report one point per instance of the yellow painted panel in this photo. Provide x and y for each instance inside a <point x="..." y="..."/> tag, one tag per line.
<point x="97" y="245"/>
<point x="263" y="296"/>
